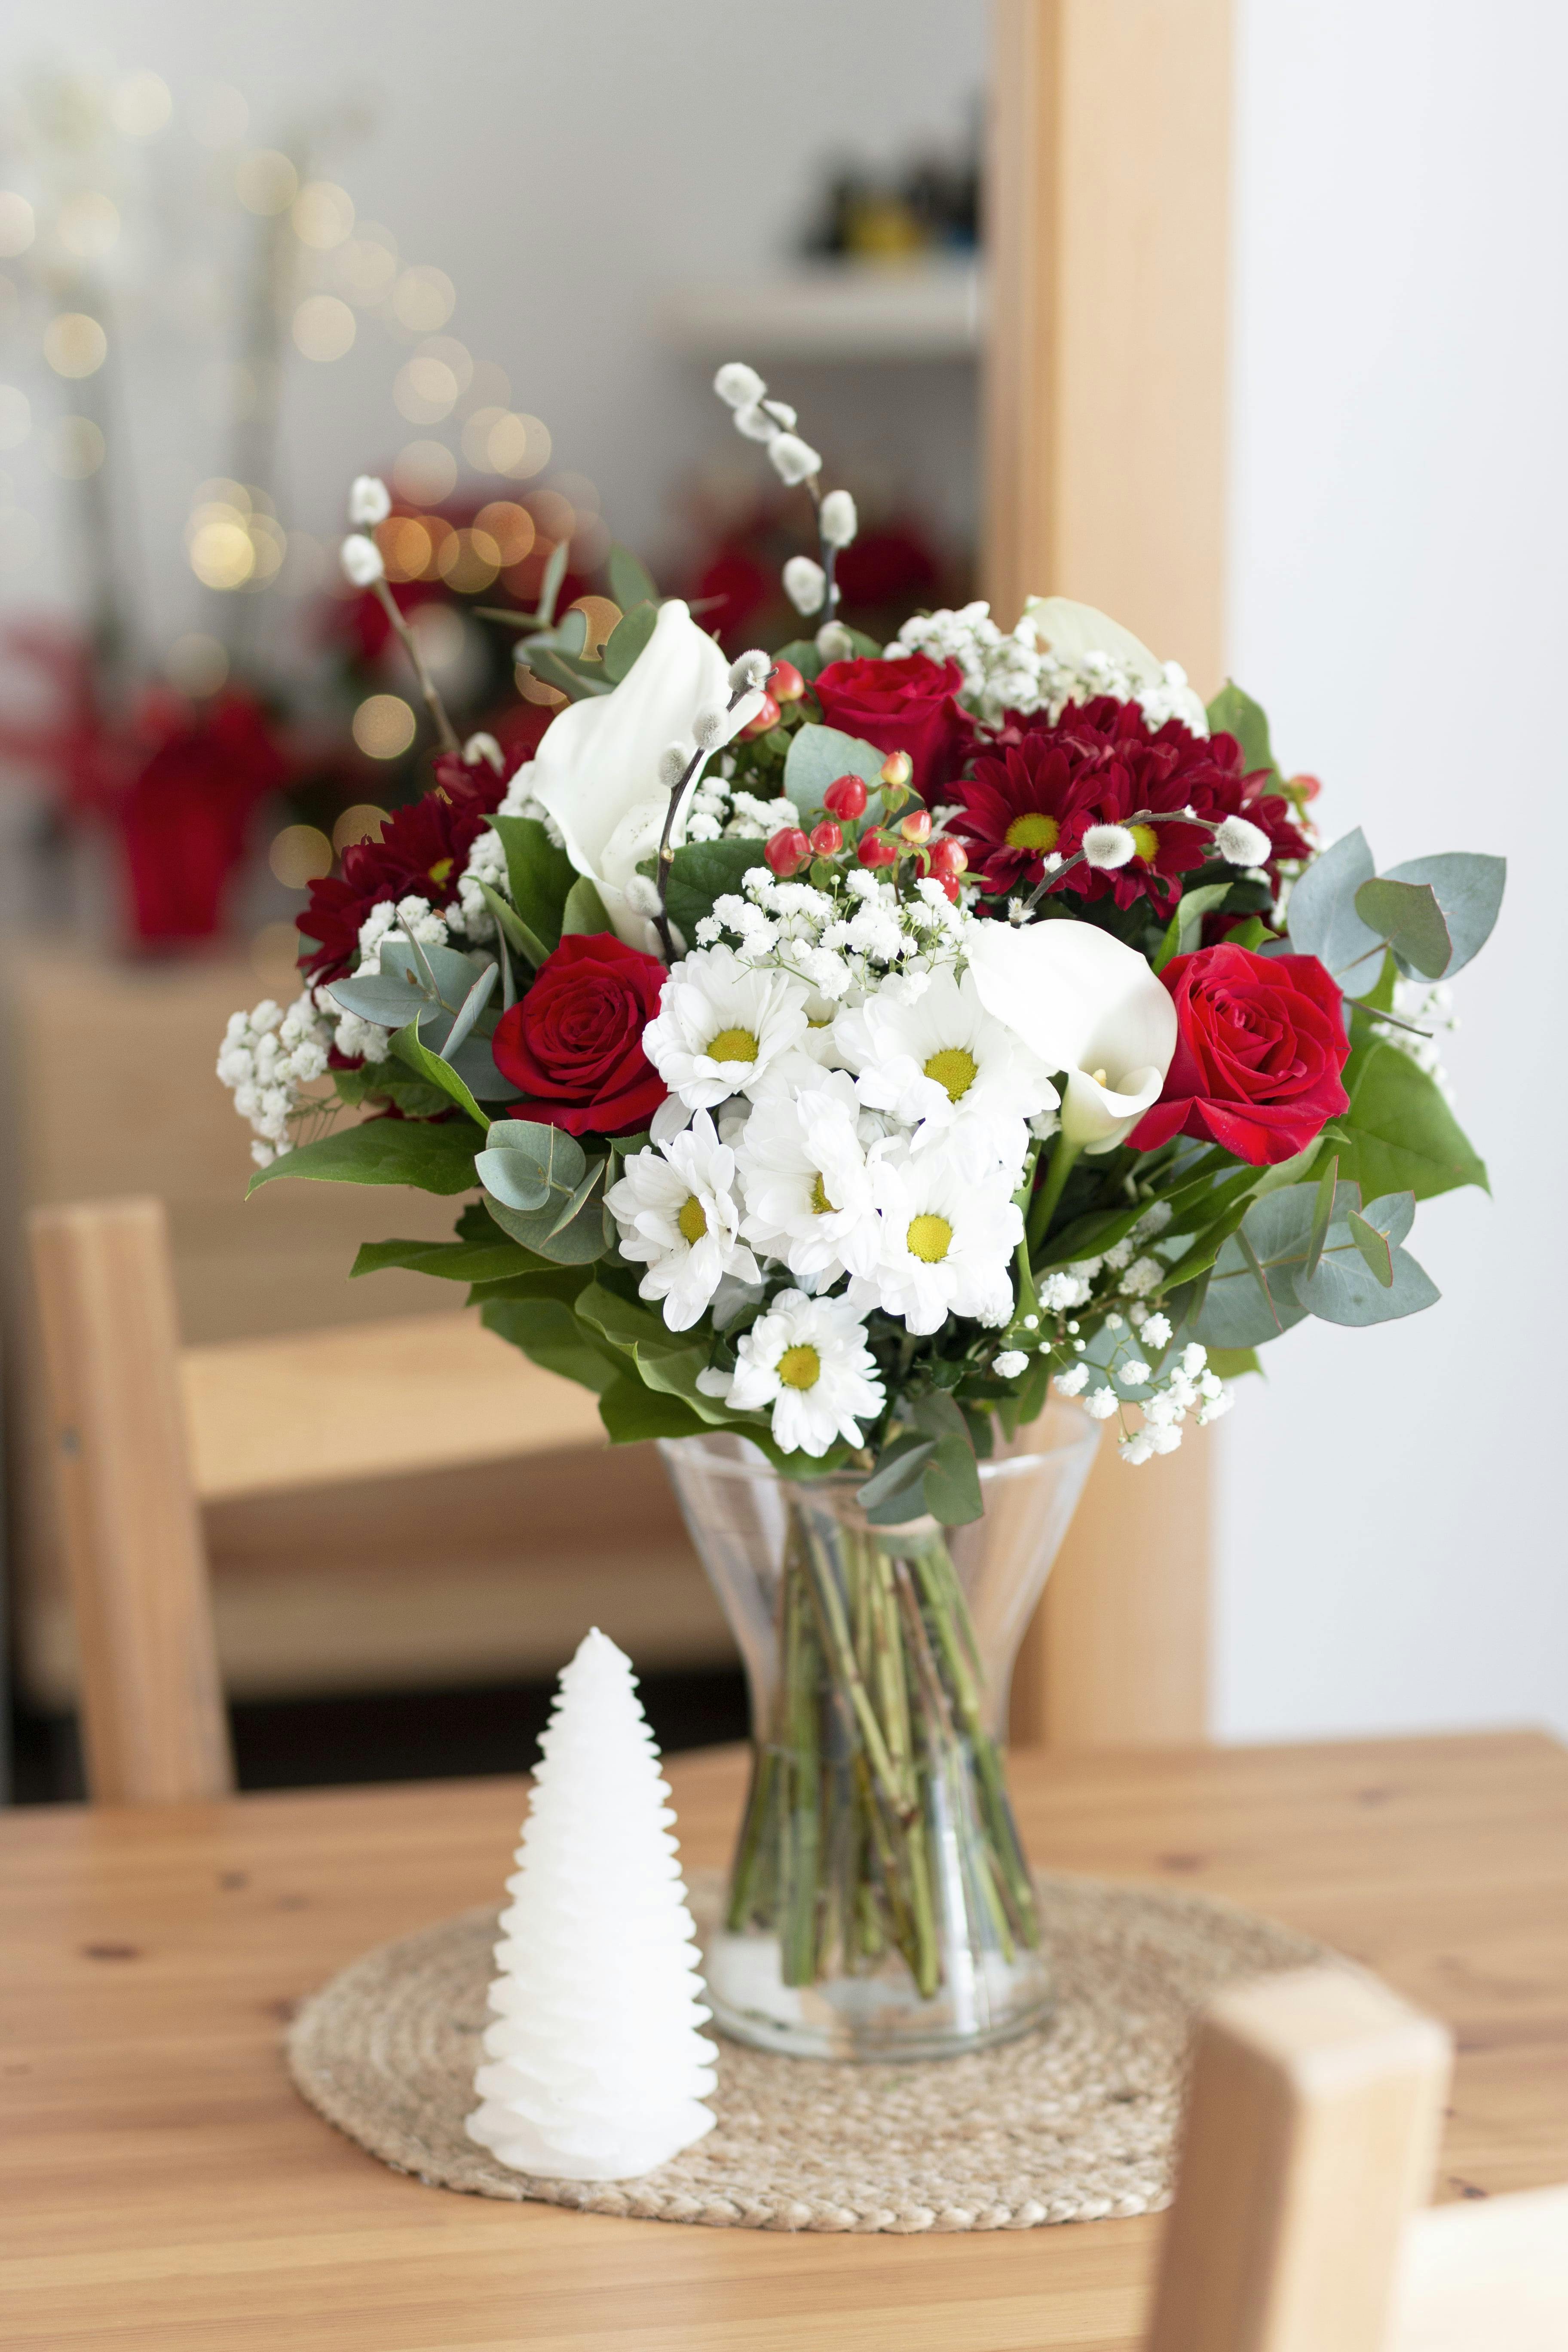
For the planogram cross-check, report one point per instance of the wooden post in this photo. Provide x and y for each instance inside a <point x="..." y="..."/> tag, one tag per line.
<point x="1310" y="2137"/>
<point x="1108" y="232"/>
<point x="152" y="1716"/>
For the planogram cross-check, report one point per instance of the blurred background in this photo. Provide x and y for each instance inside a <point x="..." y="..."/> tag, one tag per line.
<point x="494" y="252"/>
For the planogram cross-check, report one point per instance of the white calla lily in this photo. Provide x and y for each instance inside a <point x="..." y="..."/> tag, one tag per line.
<point x="1085" y="1004"/>
<point x="597" y="767"/>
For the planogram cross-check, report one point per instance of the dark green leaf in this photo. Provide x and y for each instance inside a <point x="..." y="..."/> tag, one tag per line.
<point x="549" y="1333"/>
<point x="895" y="1492"/>
<point x="632" y="1413"/>
<point x="1184" y="929"/>
<point x="435" y="1072"/>
<point x="703" y="871"/>
<point x="585" y="909"/>
<point x="1232" y="712"/>
<point x="539" y="876"/>
<point x="951" y="1479"/>
<point x="1409" y="917"/>
<point x="1399" y="1134"/>
<point x="459" y="1261"/>
<point x="803" y="653"/>
<point x="432" y="1156"/>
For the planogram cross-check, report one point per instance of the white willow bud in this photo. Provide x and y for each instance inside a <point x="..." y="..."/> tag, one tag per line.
<point x="1241" y="843"/>
<point x="781" y="413"/>
<point x="834" y="642"/>
<point x="804" y="584"/>
<point x="370" y="500"/>
<point x="673" y="762"/>
<point x="837" y="519"/>
<point x="738" y="385"/>
<point x="711" y="727"/>
<point x="1107" y="846"/>
<point x="792" y="459"/>
<point x="755" y="424"/>
<point x="750" y="669"/>
<point x="361" y="560"/>
<point x="642" y="894"/>
<point x="484" y="746"/>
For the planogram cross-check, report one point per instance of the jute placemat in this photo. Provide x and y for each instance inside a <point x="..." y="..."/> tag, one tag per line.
<point x="1068" y="2124"/>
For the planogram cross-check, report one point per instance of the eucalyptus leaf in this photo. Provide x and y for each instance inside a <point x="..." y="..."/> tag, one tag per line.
<point x="818" y="756"/>
<point x="1376" y="1255"/>
<point x="1323" y="921"/>
<point x="385" y="997"/>
<point x="626" y="640"/>
<point x="551" y="669"/>
<point x="1409" y="917"/>
<point x="631" y="582"/>
<point x="468" y="1011"/>
<point x="436" y="1071"/>
<point x="449" y="974"/>
<point x="579" y="1244"/>
<point x="1468" y="889"/>
<point x="1343" y="1289"/>
<point x="555" y="573"/>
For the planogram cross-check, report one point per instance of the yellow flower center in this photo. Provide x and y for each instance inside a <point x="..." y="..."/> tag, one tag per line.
<point x="692" y="1221"/>
<point x="440" y="871"/>
<point x="733" y="1045"/>
<point x="1147" y="839"/>
<point x="928" y="1239"/>
<point x="800" y="1368"/>
<point x="953" y="1068"/>
<point x="1034" y="829"/>
<point x="821" y="1206"/>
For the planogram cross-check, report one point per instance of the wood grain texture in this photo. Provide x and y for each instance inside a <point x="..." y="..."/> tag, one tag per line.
<point x="152" y="1712"/>
<point x="162" y="2186"/>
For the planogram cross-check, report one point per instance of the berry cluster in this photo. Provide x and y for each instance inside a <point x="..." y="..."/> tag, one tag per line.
<point x="883" y="842"/>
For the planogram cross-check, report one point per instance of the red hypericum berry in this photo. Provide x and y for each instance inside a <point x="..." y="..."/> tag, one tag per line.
<point x="787" y="851"/>
<point x="948" y="860"/>
<point x="845" y="796"/>
<point x="785" y="683"/>
<point x="827" y="838"/>
<point x="874" y="851"/>
<point x="1308" y="786"/>
<point x="898" y="768"/>
<point x="949" y="884"/>
<point x="768" y="716"/>
<point x="915" y="826"/>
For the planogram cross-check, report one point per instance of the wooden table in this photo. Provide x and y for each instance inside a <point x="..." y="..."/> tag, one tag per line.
<point x="162" y="2190"/>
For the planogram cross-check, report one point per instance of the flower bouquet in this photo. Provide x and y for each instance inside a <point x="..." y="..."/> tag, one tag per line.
<point x="840" y="1051"/>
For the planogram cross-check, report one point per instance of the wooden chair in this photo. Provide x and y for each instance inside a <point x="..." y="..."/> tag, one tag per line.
<point x="1310" y="2137"/>
<point x="146" y="1432"/>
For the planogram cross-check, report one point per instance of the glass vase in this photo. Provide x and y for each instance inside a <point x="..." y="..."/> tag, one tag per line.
<point x="880" y="1906"/>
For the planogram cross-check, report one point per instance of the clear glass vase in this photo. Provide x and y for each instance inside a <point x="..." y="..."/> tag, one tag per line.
<point x="880" y="1906"/>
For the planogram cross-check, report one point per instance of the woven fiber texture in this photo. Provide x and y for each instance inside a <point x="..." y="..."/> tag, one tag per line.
<point x="1068" y="2124"/>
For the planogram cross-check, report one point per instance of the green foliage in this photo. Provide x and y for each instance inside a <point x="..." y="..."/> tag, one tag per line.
<point x="459" y="1261"/>
<point x="388" y="1081"/>
<point x="1399" y="1134"/>
<point x="1296" y="1252"/>
<point x="1323" y="921"/>
<point x="539" y="876"/>
<point x="1185" y="931"/>
<point x="548" y="1331"/>
<point x="703" y="871"/>
<point x="803" y="653"/>
<point x="818" y="756"/>
<point x="1468" y="890"/>
<point x="1229" y="1363"/>
<point x="631" y="582"/>
<point x="1233" y="713"/>
<point x="540" y="1187"/>
<point x="435" y="1072"/>
<point x="626" y="640"/>
<point x="632" y="1413"/>
<point x="585" y="909"/>
<point x="1408" y="916"/>
<point x="433" y="1156"/>
<point x="513" y="929"/>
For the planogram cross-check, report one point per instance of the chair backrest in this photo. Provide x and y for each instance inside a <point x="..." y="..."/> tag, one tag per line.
<point x="1310" y="2137"/>
<point x="143" y="1433"/>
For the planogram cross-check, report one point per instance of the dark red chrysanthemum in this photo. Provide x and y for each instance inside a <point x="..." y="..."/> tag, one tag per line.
<point x="423" y="849"/>
<point x="1035" y="793"/>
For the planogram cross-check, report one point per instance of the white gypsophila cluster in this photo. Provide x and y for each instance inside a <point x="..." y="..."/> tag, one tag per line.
<point x="388" y="922"/>
<point x="848" y="936"/>
<point x="1429" y="1004"/>
<point x="487" y="858"/>
<point x="1186" y="1385"/>
<point x="1009" y="670"/>
<point x="268" y="1058"/>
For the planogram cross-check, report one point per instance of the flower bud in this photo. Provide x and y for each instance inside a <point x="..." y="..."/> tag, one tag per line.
<point x="767" y="717"/>
<point x="837" y="519"/>
<point x="1106" y="846"/>
<point x="673" y="762"/>
<point x="747" y="670"/>
<point x="949" y="885"/>
<point x="874" y="851"/>
<point x="755" y="424"/>
<point x="804" y="584"/>
<point x="834" y="642"/>
<point x="711" y="727"/>
<point x="361" y="560"/>
<point x="787" y="851"/>
<point x="793" y="459"/>
<point x="949" y="859"/>
<point x="1241" y="843"/>
<point x="827" y="838"/>
<point x="370" y="500"/>
<point x="845" y="796"/>
<point x="898" y="768"/>
<point x="785" y="683"/>
<point x="738" y="385"/>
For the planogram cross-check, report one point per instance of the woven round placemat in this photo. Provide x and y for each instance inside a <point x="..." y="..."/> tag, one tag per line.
<point x="1068" y="2124"/>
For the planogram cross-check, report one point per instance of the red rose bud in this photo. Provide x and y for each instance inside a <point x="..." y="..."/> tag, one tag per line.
<point x="897" y="769"/>
<point x="827" y="838"/>
<point x="915" y="826"/>
<point x="768" y="716"/>
<point x="787" y="851"/>
<point x="785" y="683"/>
<point x="874" y="851"/>
<point x="845" y="796"/>
<point x="949" y="859"/>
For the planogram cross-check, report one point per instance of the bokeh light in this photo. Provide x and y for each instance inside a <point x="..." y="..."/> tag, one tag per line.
<point x="424" y="473"/>
<point x="196" y="664"/>
<point x="453" y="648"/>
<point x="74" y="449"/>
<point x="362" y="823"/>
<point x="324" y="214"/>
<point x="367" y="264"/>
<point x="17" y="222"/>
<point x="499" y="441"/>
<point x="75" y="344"/>
<point x="555" y="515"/>
<point x="489" y="387"/>
<point x="15" y="416"/>
<point x="423" y="300"/>
<point x="601" y="618"/>
<point x="475" y="564"/>
<point x="324" y="328"/>
<point x="510" y="525"/>
<point x="299" y="855"/>
<point x="266" y="182"/>
<point x="383" y="728"/>
<point x="405" y="547"/>
<point x="425" y="390"/>
<point x="141" y="105"/>
<point x="219" y="116"/>
<point x="89" y="226"/>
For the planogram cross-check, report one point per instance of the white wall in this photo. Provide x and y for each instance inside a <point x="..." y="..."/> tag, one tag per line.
<point x="1392" y="1550"/>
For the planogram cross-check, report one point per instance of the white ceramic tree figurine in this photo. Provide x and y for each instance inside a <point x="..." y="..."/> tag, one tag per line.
<point x="596" y="2068"/>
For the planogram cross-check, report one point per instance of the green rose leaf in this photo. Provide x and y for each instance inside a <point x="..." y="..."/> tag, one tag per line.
<point x="703" y="871"/>
<point x="549" y="1333"/>
<point x="432" y="1156"/>
<point x="1232" y="712"/>
<point x="1184" y="929"/>
<point x="632" y="1413"/>
<point x="953" y="1492"/>
<point x="539" y="876"/>
<point x="585" y="909"/>
<point x="459" y="1261"/>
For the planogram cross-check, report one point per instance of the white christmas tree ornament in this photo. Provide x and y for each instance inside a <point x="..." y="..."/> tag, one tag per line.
<point x="596" y="2068"/>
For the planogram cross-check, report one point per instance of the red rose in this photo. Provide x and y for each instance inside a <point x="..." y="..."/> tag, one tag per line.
<point x="574" y="1043"/>
<point x="902" y="705"/>
<point x="1260" y="1044"/>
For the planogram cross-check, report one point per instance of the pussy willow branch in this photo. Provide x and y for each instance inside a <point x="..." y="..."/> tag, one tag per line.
<point x="667" y="844"/>
<point x="410" y="643"/>
<point x="1140" y="816"/>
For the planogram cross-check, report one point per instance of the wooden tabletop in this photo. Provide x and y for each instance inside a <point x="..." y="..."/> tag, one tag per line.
<point x="162" y="2188"/>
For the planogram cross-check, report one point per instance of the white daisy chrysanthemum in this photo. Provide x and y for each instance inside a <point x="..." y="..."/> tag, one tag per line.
<point x="805" y="1176"/>
<point x="678" y="1215"/>
<point x="721" y="1025"/>
<point x="947" y="1243"/>
<point x="809" y="1360"/>
<point x="940" y="1062"/>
